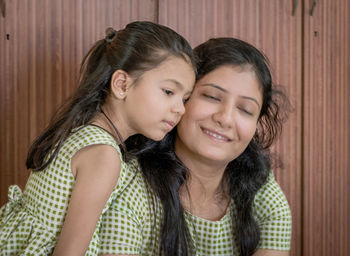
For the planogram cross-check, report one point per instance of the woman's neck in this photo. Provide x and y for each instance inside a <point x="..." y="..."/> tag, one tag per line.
<point x="204" y="194"/>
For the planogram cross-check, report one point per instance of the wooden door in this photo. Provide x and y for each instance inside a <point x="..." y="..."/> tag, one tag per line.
<point x="42" y="45"/>
<point x="270" y="26"/>
<point x="326" y="122"/>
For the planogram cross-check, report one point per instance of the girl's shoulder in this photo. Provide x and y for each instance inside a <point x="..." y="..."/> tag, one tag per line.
<point x="92" y="133"/>
<point x="85" y="136"/>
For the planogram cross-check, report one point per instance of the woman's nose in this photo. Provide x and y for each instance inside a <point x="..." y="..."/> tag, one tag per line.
<point x="224" y="116"/>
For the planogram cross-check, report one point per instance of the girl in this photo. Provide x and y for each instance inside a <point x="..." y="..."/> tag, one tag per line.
<point x="135" y="81"/>
<point x="208" y="185"/>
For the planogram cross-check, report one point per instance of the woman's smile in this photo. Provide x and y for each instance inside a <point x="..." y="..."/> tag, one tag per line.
<point x="215" y="135"/>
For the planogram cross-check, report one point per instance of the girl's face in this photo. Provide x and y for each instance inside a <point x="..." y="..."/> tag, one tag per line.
<point x="221" y="115"/>
<point x="155" y="103"/>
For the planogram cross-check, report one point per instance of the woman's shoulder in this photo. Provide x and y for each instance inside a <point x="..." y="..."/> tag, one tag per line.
<point x="273" y="215"/>
<point x="270" y="200"/>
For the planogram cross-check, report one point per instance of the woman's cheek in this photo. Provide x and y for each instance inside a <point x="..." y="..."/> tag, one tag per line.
<point x="247" y="128"/>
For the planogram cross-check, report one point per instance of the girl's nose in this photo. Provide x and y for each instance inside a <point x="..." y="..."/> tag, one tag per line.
<point x="179" y="107"/>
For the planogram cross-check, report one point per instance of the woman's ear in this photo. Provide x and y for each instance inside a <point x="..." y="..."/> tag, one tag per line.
<point x="119" y="84"/>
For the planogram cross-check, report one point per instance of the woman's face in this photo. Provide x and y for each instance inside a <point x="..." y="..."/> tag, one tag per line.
<point x="221" y="115"/>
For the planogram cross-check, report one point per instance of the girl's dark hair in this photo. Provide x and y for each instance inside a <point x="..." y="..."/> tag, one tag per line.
<point x="139" y="47"/>
<point x="244" y="176"/>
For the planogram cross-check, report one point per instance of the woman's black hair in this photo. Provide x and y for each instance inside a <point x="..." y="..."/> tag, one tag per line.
<point x="137" y="48"/>
<point x="244" y="176"/>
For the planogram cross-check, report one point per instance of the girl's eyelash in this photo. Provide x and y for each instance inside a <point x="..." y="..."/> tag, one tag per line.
<point x="169" y="92"/>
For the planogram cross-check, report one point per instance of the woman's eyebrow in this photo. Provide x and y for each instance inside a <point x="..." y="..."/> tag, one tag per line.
<point x="216" y="86"/>
<point x="224" y="90"/>
<point x="250" y="98"/>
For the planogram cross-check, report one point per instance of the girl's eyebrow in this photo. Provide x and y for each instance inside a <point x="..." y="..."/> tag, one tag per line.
<point x="177" y="83"/>
<point x="224" y="90"/>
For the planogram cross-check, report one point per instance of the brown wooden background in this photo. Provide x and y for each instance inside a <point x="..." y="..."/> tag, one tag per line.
<point x="42" y="43"/>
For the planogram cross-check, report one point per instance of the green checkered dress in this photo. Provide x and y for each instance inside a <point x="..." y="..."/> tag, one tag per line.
<point x="30" y="223"/>
<point x="132" y="223"/>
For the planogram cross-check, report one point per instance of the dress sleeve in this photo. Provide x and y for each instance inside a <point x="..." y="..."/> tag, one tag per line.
<point x="120" y="231"/>
<point x="274" y="216"/>
<point x="123" y="222"/>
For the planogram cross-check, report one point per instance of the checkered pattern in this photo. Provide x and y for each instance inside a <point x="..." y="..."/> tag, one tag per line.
<point x="30" y="223"/>
<point x="132" y="223"/>
<point x="129" y="226"/>
<point x="274" y="217"/>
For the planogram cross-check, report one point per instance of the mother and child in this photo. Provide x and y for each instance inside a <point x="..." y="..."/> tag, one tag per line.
<point x="161" y="150"/>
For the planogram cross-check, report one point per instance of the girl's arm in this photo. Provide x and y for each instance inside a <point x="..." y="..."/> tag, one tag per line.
<point x="96" y="169"/>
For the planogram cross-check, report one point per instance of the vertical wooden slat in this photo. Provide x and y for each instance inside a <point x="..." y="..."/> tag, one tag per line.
<point x="14" y="115"/>
<point x="270" y="26"/>
<point x="40" y="63"/>
<point x="47" y="40"/>
<point x="327" y="129"/>
<point x="5" y="106"/>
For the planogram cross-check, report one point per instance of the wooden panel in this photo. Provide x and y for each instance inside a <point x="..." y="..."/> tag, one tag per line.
<point x="40" y="63"/>
<point x="14" y="100"/>
<point x="270" y="26"/>
<point x="327" y="129"/>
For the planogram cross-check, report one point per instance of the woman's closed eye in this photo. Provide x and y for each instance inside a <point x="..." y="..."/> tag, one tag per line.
<point x="185" y="99"/>
<point x="245" y="111"/>
<point x="211" y="97"/>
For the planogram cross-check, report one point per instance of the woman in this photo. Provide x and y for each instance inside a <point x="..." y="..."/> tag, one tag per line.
<point x="207" y="188"/>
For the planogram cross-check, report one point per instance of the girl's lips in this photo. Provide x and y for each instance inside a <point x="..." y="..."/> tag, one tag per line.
<point x="216" y="135"/>
<point x="169" y="124"/>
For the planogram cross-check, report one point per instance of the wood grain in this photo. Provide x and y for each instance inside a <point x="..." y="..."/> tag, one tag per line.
<point x="43" y="42"/>
<point x="327" y="128"/>
<point x="40" y="63"/>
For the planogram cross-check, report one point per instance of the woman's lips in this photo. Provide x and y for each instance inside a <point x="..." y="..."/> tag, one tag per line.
<point x="216" y="135"/>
